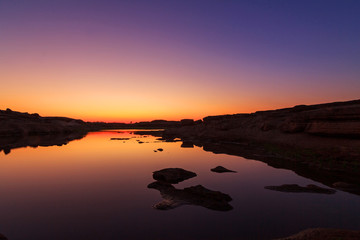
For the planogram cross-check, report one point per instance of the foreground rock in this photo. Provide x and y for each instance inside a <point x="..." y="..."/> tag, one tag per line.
<point x="195" y="195"/>
<point x="2" y="237"/>
<point x="294" y="188"/>
<point x="324" y="234"/>
<point x="221" y="169"/>
<point x="173" y="175"/>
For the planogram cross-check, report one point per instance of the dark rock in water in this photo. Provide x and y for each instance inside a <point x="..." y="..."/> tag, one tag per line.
<point x="173" y="175"/>
<point x="195" y="195"/>
<point x="187" y="144"/>
<point x="294" y="188"/>
<point x="160" y="149"/>
<point x="7" y="151"/>
<point x="155" y="150"/>
<point x="324" y="234"/>
<point x="221" y="169"/>
<point x="119" y="138"/>
<point x="140" y="142"/>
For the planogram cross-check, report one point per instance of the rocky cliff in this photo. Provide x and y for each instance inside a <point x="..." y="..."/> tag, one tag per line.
<point x="23" y="124"/>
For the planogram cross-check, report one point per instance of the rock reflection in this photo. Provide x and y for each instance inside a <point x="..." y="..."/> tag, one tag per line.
<point x="9" y="143"/>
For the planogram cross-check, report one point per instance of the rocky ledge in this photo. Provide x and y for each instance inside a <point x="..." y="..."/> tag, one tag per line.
<point x="324" y="234"/>
<point x="24" y="124"/>
<point x="195" y="195"/>
<point x="173" y="175"/>
<point x="324" y="138"/>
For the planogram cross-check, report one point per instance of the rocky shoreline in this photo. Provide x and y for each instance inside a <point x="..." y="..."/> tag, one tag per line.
<point x="323" y="139"/>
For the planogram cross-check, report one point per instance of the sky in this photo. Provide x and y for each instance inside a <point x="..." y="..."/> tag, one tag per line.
<point x="110" y="60"/>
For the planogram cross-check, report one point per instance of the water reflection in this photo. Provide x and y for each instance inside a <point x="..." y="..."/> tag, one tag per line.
<point x="9" y="143"/>
<point x="294" y="188"/>
<point x="96" y="189"/>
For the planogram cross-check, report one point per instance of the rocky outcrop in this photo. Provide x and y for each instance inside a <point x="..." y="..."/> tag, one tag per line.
<point x="221" y="169"/>
<point x="341" y="119"/>
<point x="24" y="124"/>
<point x="294" y="188"/>
<point x="173" y="175"/>
<point x="324" y="234"/>
<point x="323" y="136"/>
<point x="195" y="195"/>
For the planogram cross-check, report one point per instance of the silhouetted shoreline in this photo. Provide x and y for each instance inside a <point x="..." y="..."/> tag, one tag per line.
<point x="321" y="142"/>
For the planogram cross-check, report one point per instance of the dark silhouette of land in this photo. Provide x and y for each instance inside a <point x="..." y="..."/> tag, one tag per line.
<point x="321" y="142"/>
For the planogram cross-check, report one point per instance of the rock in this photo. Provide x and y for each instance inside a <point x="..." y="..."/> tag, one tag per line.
<point x="195" y="195"/>
<point x="160" y="149"/>
<point x="324" y="234"/>
<point x="119" y="138"/>
<point x="2" y="237"/>
<point x="187" y="122"/>
<point x="186" y="144"/>
<point x="221" y="169"/>
<point x="173" y="175"/>
<point x="294" y="188"/>
<point x="155" y="150"/>
<point x="140" y="142"/>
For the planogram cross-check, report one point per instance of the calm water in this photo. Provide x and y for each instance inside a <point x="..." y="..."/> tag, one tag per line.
<point x="95" y="188"/>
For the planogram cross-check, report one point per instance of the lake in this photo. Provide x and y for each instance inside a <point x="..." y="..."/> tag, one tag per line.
<point x="96" y="188"/>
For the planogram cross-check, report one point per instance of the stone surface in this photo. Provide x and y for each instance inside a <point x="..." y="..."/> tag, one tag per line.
<point x="173" y="175"/>
<point x="294" y="188"/>
<point x="324" y="234"/>
<point x="221" y="169"/>
<point x="195" y="195"/>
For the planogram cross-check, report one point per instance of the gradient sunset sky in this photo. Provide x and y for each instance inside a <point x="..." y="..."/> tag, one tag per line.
<point x="113" y="60"/>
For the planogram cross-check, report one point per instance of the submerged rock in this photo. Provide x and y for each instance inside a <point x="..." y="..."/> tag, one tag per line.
<point x="119" y="138"/>
<point x="160" y="149"/>
<point x="173" y="175"/>
<point x="294" y="188"/>
<point x="324" y="234"/>
<point x="195" y="195"/>
<point x="221" y="169"/>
